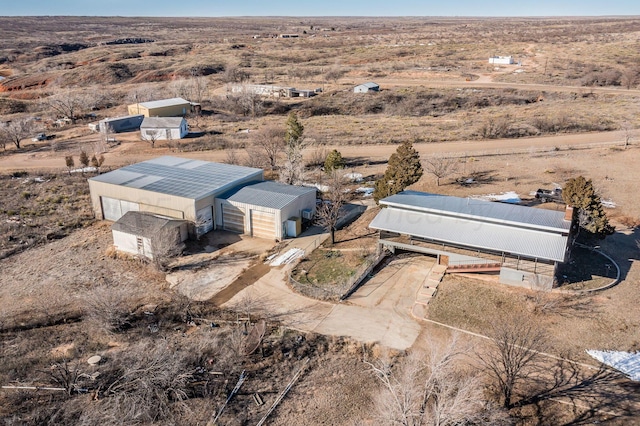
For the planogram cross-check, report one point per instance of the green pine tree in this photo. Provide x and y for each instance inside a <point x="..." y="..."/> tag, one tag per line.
<point x="580" y="193"/>
<point x="294" y="132"/>
<point x="404" y="168"/>
<point x="334" y="161"/>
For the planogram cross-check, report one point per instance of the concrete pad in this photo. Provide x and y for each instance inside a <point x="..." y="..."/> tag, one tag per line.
<point x="389" y="328"/>
<point x="272" y="298"/>
<point x="381" y="311"/>
<point x="202" y="284"/>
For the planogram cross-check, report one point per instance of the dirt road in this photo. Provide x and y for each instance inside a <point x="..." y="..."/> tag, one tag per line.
<point x="45" y="160"/>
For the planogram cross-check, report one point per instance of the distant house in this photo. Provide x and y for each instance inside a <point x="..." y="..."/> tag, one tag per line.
<point x="366" y="87"/>
<point x="142" y="233"/>
<point x="163" y="128"/>
<point x="174" y="107"/>
<point x="501" y="60"/>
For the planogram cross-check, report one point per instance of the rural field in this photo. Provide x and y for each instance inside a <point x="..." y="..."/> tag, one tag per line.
<point x="568" y="106"/>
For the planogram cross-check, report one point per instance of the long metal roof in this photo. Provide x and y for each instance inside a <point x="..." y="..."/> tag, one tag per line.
<point x="484" y="235"/>
<point x="480" y="210"/>
<point x="267" y="194"/>
<point x="180" y="177"/>
<point x="164" y="103"/>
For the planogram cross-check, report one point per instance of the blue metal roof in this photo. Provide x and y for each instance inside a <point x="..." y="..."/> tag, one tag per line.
<point x="181" y="177"/>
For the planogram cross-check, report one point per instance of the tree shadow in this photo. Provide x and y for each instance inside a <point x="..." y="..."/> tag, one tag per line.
<point x="484" y="177"/>
<point x="595" y="395"/>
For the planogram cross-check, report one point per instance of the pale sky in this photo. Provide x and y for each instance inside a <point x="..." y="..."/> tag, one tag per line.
<point x="213" y="8"/>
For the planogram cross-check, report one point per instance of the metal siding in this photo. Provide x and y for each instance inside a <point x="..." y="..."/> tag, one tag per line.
<point x="472" y="233"/>
<point x="204" y="220"/>
<point x="263" y="224"/>
<point x="233" y="218"/>
<point x="100" y="189"/>
<point x="162" y="211"/>
<point x="113" y="209"/>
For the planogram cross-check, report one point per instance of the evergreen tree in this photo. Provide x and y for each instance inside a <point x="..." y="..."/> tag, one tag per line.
<point x="295" y="131"/>
<point x="580" y="193"/>
<point x="404" y="168"/>
<point x="334" y="161"/>
<point x="292" y="172"/>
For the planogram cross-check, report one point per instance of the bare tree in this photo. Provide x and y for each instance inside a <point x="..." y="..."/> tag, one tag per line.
<point x="106" y="133"/>
<point x="231" y="156"/>
<point x="194" y="88"/>
<point x="108" y="307"/>
<point x="234" y="74"/>
<point x="65" y="375"/>
<point x="433" y="388"/>
<point x="165" y="245"/>
<point x="330" y="211"/>
<point x="629" y="133"/>
<point x="270" y="141"/>
<point x="440" y="166"/>
<point x="151" y="383"/>
<point x="334" y="74"/>
<point x="17" y="130"/>
<point x="515" y="355"/>
<point x="629" y="77"/>
<point x="151" y="136"/>
<point x="68" y="103"/>
<point x="144" y="93"/>
<point x="292" y="172"/>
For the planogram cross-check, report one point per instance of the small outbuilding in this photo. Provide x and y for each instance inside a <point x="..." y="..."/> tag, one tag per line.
<point x="163" y="128"/>
<point x="267" y="209"/>
<point x="174" y="107"/>
<point x="366" y="87"/>
<point x="146" y="234"/>
<point x="501" y="60"/>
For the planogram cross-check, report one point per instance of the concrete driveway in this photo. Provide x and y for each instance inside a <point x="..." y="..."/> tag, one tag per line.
<point x="378" y="312"/>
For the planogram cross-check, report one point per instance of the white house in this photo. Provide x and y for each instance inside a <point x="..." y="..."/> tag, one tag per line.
<point x="142" y="233"/>
<point x="501" y="60"/>
<point x="366" y="87"/>
<point x="163" y="128"/>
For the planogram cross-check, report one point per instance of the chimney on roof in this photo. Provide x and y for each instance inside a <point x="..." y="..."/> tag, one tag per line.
<point x="568" y="213"/>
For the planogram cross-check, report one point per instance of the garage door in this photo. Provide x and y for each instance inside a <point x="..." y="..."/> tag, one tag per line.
<point x="263" y="224"/>
<point x="204" y="219"/>
<point x="232" y="218"/>
<point x="113" y="209"/>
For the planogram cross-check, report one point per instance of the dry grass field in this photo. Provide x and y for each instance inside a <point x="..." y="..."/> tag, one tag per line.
<point x="569" y="106"/>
